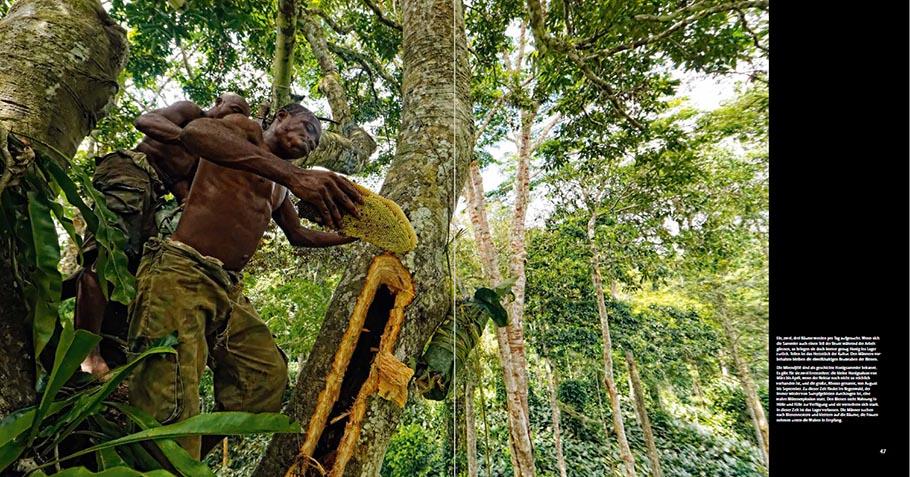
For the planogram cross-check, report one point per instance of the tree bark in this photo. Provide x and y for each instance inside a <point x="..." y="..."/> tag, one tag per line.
<point x="57" y="79"/>
<point x="638" y="391"/>
<point x="436" y="133"/>
<point x="283" y="61"/>
<point x="755" y="408"/>
<point x="603" y="414"/>
<point x="624" y="451"/>
<point x="557" y="430"/>
<point x="517" y="260"/>
<point x="519" y="426"/>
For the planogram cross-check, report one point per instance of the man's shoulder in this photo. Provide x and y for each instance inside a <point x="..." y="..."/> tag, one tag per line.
<point x="182" y="112"/>
<point x="251" y="128"/>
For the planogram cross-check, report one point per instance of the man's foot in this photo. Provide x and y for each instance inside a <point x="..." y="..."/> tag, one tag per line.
<point x="95" y="365"/>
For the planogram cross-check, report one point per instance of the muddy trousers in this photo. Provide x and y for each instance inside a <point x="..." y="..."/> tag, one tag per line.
<point x="181" y="292"/>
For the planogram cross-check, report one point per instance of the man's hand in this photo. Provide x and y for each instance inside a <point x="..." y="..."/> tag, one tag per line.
<point x="328" y="194"/>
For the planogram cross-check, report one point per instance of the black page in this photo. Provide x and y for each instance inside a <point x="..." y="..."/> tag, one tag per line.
<point x="839" y="216"/>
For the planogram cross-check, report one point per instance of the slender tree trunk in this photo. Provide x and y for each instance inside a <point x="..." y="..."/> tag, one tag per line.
<point x="758" y="437"/>
<point x="455" y="447"/>
<point x="756" y="410"/>
<point x="57" y="79"/>
<point x="470" y="428"/>
<point x="517" y="261"/>
<point x="520" y="439"/>
<point x="557" y="430"/>
<point x="283" y="61"/>
<point x="624" y="451"/>
<point x="638" y="391"/>
<point x="486" y="422"/>
<point x="436" y="132"/>
<point x="603" y="413"/>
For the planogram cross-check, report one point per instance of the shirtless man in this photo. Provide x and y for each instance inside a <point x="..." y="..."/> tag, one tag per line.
<point x="190" y="284"/>
<point x="133" y="183"/>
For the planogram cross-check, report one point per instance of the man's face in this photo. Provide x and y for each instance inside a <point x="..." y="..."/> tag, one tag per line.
<point x="297" y="135"/>
<point x="229" y="103"/>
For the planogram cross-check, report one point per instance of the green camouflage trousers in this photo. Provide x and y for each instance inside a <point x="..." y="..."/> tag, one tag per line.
<point x="133" y="191"/>
<point x="181" y="291"/>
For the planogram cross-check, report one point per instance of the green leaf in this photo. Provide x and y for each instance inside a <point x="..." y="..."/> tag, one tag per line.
<point x="504" y="288"/>
<point x="112" y="472"/>
<point x="109" y="458"/>
<point x="182" y="461"/>
<point x="216" y="423"/>
<point x="90" y="402"/>
<point x="9" y="453"/>
<point x="46" y="278"/>
<point x="112" y="263"/>
<point x="72" y="348"/>
<point x="18" y="422"/>
<point x="134" y="455"/>
<point x="488" y="299"/>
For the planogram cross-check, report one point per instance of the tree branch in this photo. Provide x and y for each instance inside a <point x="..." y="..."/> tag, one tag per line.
<point x="742" y="18"/>
<point x="340" y="29"/>
<point x="697" y="15"/>
<point x="381" y="16"/>
<point x="544" y="38"/>
<point x="368" y="62"/>
<point x="542" y="135"/>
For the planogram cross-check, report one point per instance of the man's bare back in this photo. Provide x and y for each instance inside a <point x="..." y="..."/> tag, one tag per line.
<point x="228" y="210"/>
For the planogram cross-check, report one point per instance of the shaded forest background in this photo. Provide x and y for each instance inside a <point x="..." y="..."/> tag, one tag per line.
<point x="634" y="224"/>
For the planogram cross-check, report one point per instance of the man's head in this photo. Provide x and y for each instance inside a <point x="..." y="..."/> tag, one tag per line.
<point x="294" y="133"/>
<point x="228" y="103"/>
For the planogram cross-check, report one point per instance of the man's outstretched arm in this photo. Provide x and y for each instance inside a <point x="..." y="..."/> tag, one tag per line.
<point x="235" y="142"/>
<point x="165" y="124"/>
<point x="299" y="236"/>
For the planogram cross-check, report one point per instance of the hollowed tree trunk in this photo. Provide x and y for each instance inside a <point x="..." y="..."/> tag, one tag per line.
<point x="436" y="130"/>
<point x="59" y="72"/>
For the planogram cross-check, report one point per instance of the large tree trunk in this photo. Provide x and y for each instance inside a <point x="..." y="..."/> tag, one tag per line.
<point x="755" y="408"/>
<point x="642" y="411"/>
<point x="57" y="78"/>
<point x="519" y="426"/>
<point x="436" y="132"/>
<point x="557" y="429"/>
<point x="609" y="381"/>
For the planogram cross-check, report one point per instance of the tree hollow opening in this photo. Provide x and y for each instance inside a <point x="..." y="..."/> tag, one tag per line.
<point x="355" y="375"/>
<point x="363" y="366"/>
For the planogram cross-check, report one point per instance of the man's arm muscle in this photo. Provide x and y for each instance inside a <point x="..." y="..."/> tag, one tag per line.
<point x="165" y="124"/>
<point x="236" y="142"/>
